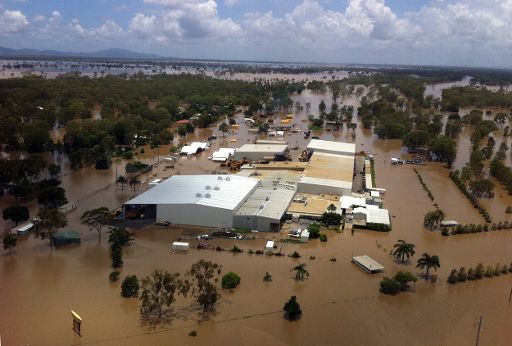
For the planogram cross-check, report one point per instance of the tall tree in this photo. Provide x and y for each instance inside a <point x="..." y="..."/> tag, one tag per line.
<point x="427" y="262"/>
<point x="121" y="181"/>
<point x="54" y="170"/>
<point x="204" y="277"/>
<point x="433" y="219"/>
<point x="49" y="221"/>
<point x="16" y="213"/>
<point x="300" y="271"/>
<point x="52" y="197"/>
<point x="403" y="249"/>
<point x="134" y="183"/>
<point x="224" y="128"/>
<point x="97" y="219"/>
<point x="159" y="291"/>
<point x="9" y="242"/>
<point x="292" y="309"/>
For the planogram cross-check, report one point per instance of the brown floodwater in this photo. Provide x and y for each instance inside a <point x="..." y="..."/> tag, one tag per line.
<point x="339" y="301"/>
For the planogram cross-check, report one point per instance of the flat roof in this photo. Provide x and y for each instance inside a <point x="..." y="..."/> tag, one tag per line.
<point x="267" y="202"/>
<point x="378" y="216"/>
<point x="332" y="147"/>
<point x="331" y="166"/>
<point x="315" y="204"/>
<point x="263" y="148"/>
<point x="348" y="201"/>
<point x="367" y="263"/>
<point x="219" y="191"/>
<point x="326" y="182"/>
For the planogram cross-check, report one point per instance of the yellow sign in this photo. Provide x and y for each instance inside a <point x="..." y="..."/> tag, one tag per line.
<point x="77" y="322"/>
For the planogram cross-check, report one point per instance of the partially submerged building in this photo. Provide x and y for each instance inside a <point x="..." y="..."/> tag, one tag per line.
<point x="194" y="148"/>
<point x="256" y="152"/>
<point x="330" y="147"/>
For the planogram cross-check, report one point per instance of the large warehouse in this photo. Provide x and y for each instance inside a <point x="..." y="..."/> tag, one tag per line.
<point x="328" y="174"/>
<point x="330" y="147"/>
<point x="201" y="200"/>
<point x="255" y="152"/>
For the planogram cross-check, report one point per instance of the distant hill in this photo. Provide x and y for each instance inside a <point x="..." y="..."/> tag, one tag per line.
<point x="112" y="53"/>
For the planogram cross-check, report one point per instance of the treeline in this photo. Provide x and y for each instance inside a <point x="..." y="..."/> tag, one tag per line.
<point x="470" y="96"/>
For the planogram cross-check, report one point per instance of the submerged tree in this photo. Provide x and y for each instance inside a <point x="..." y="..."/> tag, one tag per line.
<point x="204" y="277"/>
<point x="16" y="213"/>
<point x="121" y="181"/>
<point x="49" y="221"/>
<point x="134" y="183"/>
<point x="433" y="219"/>
<point x="427" y="262"/>
<point x="9" y="242"/>
<point x="292" y="309"/>
<point x="300" y="271"/>
<point x="402" y="249"/>
<point x="97" y="219"/>
<point x="159" y="291"/>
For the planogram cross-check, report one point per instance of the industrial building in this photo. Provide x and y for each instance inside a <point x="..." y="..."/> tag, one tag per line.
<point x="256" y="152"/>
<point x="329" y="147"/>
<point x="327" y="174"/>
<point x="201" y="200"/>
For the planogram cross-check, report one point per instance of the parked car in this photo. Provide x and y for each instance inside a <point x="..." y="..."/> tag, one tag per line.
<point x="162" y="223"/>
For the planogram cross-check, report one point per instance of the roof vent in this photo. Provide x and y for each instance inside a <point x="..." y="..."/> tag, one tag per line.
<point x="228" y="178"/>
<point x="208" y="187"/>
<point x="216" y="188"/>
<point x="198" y="194"/>
<point x="207" y="195"/>
<point x="219" y="178"/>
<point x="266" y="199"/>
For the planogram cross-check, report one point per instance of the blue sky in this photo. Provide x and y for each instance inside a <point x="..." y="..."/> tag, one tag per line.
<point x="437" y="32"/>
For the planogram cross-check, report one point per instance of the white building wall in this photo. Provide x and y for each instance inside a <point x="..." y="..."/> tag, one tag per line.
<point x="317" y="189"/>
<point x="194" y="214"/>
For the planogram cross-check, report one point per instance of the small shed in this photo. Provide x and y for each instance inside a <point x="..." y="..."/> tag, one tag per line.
<point x="22" y="229"/>
<point x="269" y="246"/>
<point x="304" y="236"/>
<point x="66" y="238"/>
<point x="449" y="223"/>
<point x="181" y="246"/>
<point x="68" y="207"/>
<point x="368" y="264"/>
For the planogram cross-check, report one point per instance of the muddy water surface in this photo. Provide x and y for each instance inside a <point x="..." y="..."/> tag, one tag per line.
<point x="339" y="301"/>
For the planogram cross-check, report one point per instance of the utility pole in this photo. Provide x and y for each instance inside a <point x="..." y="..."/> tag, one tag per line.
<point x="479" y="327"/>
<point x="510" y="296"/>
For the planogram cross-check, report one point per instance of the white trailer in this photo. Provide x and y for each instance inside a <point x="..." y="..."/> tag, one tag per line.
<point x="68" y="207"/>
<point x="269" y="246"/>
<point x="180" y="246"/>
<point x="22" y="229"/>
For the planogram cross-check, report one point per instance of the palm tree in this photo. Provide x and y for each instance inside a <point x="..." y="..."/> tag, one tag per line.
<point x="300" y="271"/>
<point x="331" y="208"/>
<point x="134" y="183"/>
<point x="403" y="249"/>
<point x="427" y="261"/>
<point x="121" y="180"/>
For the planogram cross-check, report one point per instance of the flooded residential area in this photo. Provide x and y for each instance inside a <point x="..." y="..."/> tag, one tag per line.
<point x="214" y="191"/>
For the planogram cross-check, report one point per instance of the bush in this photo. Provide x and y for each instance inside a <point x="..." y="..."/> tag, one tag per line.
<point x="113" y="276"/>
<point x="479" y="271"/>
<point x="230" y="280"/>
<point x="192" y="333"/>
<point x="452" y="278"/>
<point x="218" y="248"/>
<point x="462" y="275"/>
<point x="332" y="259"/>
<point x="508" y="210"/>
<point x="127" y="155"/>
<point x="471" y="274"/>
<point x="489" y="272"/>
<point x="236" y="249"/>
<point x="267" y="277"/>
<point x="403" y="278"/>
<point x="259" y="252"/>
<point x="323" y="237"/>
<point x="389" y="286"/>
<point x="130" y="287"/>
<point x="292" y="309"/>
<point x="117" y="257"/>
<point x="295" y="254"/>
<point x="250" y="252"/>
<point x="314" y="231"/>
<point x="374" y="227"/>
<point x="313" y="257"/>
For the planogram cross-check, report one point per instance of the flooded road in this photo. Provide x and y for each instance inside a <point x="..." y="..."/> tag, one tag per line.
<point x="339" y="301"/>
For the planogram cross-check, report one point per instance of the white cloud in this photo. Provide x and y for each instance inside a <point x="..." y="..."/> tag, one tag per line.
<point x="231" y="2"/>
<point x="108" y="31"/>
<point x="12" y="22"/>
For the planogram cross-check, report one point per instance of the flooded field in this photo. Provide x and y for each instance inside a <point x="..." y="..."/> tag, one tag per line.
<point x="339" y="301"/>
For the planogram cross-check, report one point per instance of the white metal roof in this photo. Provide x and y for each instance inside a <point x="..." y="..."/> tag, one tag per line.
<point x="378" y="216"/>
<point x="263" y="148"/>
<point x="326" y="182"/>
<point x="219" y="191"/>
<point x="367" y="262"/>
<point x="193" y="148"/>
<point x="332" y="147"/>
<point x="268" y="203"/>
<point x="348" y="201"/>
<point x="360" y="210"/>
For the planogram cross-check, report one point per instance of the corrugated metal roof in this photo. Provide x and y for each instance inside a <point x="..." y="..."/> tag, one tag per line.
<point x="378" y="216"/>
<point x="267" y="203"/>
<point x="262" y="148"/>
<point x="348" y="201"/>
<point x="326" y="182"/>
<point x="219" y="191"/>
<point x="332" y="147"/>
